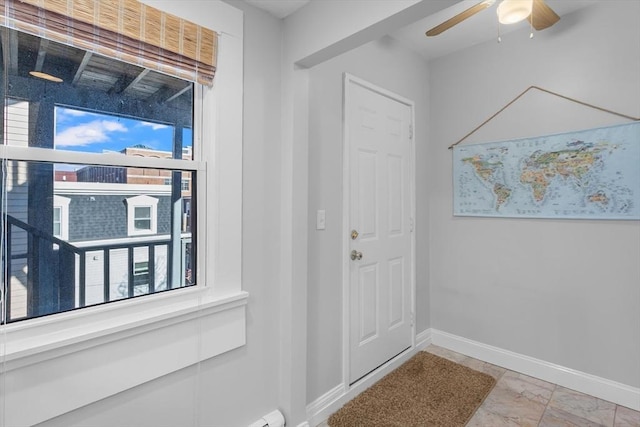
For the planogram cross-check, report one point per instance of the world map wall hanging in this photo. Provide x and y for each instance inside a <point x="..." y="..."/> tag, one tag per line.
<point x="587" y="174"/>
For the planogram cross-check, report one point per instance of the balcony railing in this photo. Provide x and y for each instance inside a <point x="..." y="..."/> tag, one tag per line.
<point x="47" y="275"/>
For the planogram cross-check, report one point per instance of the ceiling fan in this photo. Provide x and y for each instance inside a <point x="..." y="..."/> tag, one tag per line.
<point x="539" y="14"/>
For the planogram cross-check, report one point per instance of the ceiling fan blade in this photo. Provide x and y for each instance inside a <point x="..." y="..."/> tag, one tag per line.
<point x="459" y="18"/>
<point x="542" y="16"/>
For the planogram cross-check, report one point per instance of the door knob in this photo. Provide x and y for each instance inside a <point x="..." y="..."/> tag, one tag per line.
<point x="355" y="255"/>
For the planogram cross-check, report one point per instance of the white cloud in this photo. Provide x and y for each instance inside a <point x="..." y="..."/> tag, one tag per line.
<point x="154" y="126"/>
<point x="93" y="132"/>
<point x="63" y="113"/>
<point x="75" y="113"/>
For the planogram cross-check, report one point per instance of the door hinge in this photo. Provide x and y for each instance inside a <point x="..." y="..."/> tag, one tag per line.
<point x="411" y="225"/>
<point x="411" y="131"/>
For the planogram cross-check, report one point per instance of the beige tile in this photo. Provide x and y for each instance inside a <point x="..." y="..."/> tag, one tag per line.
<point x="626" y="417"/>
<point x="445" y="353"/>
<point x="513" y="406"/>
<point x="480" y="366"/>
<point x="529" y="387"/>
<point x="583" y="406"/>
<point x="558" y="418"/>
<point x="484" y="418"/>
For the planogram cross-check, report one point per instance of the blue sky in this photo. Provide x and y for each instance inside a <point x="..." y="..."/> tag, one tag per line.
<point x="96" y="133"/>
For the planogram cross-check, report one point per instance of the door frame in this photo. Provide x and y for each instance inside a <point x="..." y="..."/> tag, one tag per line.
<point x="348" y="80"/>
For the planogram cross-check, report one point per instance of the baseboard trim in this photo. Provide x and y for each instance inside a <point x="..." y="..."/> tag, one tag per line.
<point x="321" y="408"/>
<point x="317" y="411"/>
<point x="423" y="339"/>
<point x="602" y="388"/>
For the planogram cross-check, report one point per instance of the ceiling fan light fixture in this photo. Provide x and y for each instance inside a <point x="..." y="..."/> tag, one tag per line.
<point x="512" y="11"/>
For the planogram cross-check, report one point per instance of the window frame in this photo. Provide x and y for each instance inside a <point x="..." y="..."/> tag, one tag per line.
<point x="54" y="343"/>
<point x="43" y="338"/>
<point x="62" y="203"/>
<point x="143" y="201"/>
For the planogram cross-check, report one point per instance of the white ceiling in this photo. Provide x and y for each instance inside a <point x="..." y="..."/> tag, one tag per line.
<point x="279" y="8"/>
<point x="477" y="29"/>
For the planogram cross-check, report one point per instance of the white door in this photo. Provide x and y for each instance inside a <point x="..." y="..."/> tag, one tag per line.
<point x="378" y="137"/>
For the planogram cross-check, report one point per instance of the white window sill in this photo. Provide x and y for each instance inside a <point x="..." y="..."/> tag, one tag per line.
<point x="33" y="341"/>
<point x="73" y="359"/>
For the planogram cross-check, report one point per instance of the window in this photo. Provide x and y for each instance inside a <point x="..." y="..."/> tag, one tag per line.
<point x="216" y="297"/>
<point x="142" y="218"/>
<point x="77" y="172"/>
<point x="61" y="217"/>
<point x="57" y="226"/>
<point x="142" y="215"/>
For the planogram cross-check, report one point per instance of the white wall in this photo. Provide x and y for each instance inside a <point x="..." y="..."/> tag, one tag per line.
<point x="386" y="64"/>
<point x="563" y="291"/>
<point x="238" y="387"/>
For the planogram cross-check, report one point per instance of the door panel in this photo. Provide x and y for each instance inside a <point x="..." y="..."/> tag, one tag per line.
<point x="369" y="292"/>
<point x="396" y="292"/>
<point x="379" y="147"/>
<point x="367" y="198"/>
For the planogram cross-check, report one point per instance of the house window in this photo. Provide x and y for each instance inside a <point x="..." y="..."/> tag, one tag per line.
<point x="77" y="143"/>
<point x="142" y="219"/>
<point x="61" y="217"/>
<point x="142" y="213"/>
<point x="57" y="225"/>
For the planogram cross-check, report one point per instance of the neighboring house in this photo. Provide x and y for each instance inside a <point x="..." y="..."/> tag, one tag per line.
<point x="138" y="175"/>
<point x="110" y="220"/>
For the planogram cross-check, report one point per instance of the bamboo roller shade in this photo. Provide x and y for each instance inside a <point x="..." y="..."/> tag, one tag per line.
<point x="124" y="29"/>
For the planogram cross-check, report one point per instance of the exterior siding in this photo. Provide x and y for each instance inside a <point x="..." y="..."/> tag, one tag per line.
<point x="102" y="217"/>
<point x="17" y="133"/>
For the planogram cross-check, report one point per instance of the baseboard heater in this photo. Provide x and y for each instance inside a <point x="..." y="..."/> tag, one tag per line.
<point x="272" y="419"/>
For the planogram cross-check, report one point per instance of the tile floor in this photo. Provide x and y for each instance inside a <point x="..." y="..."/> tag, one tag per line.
<point x="520" y="400"/>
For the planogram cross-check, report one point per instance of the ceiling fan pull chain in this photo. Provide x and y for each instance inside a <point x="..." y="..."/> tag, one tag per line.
<point x="499" y="38"/>
<point x="531" y="25"/>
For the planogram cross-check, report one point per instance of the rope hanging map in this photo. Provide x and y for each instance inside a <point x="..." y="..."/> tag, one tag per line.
<point x="588" y="174"/>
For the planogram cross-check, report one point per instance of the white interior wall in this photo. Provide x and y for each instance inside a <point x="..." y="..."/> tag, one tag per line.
<point x="386" y="64"/>
<point x="563" y="291"/>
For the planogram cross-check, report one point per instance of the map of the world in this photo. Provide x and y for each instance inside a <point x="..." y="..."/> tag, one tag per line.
<point x="590" y="174"/>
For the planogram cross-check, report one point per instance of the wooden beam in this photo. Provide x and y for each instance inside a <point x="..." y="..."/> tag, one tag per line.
<point x="118" y="104"/>
<point x="83" y="64"/>
<point x="180" y="92"/>
<point x="135" y="81"/>
<point x="10" y="49"/>
<point x="159" y="96"/>
<point x="42" y="54"/>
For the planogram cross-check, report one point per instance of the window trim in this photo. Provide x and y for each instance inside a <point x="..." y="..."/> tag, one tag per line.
<point x="62" y="203"/>
<point x="142" y="201"/>
<point x="54" y="343"/>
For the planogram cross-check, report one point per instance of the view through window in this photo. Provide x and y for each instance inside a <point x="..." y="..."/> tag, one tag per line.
<point x="99" y="179"/>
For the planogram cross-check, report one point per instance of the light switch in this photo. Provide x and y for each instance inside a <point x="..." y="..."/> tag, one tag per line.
<point x="321" y="220"/>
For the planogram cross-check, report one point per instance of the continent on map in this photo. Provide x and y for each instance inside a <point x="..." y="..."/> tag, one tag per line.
<point x="541" y="167"/>
<point x="490" y="170"/>
<point x="599" y="197"/>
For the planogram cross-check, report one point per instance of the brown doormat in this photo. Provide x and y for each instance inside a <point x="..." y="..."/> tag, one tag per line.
<point x="427" y="390"/>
